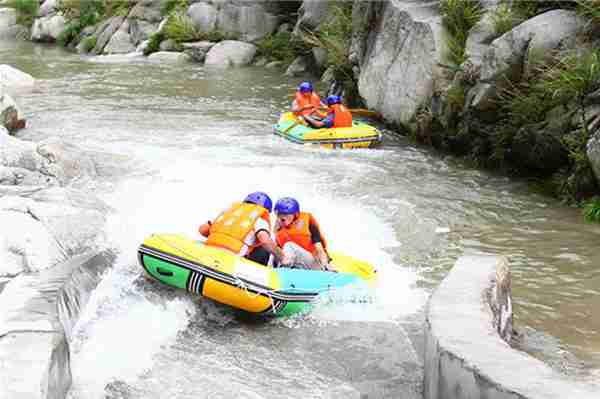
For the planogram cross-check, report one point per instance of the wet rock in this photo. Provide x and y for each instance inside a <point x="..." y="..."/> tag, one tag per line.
<point x="47" y="29"/>
<point x="299" y="66"/>
<point x="274" y="64"/>
<point x="480" y="36"/>
<point x="329" y="75"/>
<point x="105" y="32"/>
<point x="120" y="42"/>
<point x="140" y="30"/>
<point x="37" y="314"/>
<point x="593" y="154"/>
<point x="10" y="115"/>
<point x="398" y="56"/>
<point x="230" y="53"/>
<point x="285" y="28"/>
<point x="8" y="22"/>
<point x="247" y="20"/>
<point x="198" y="50"/>
<point x="320" y="57"/>
<point x="169" y="57"/>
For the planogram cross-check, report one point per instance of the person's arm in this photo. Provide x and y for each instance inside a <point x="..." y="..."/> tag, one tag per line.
<point x="204" y="229"/>
<point x="264" y="239"/>
<point x="317" y="240"/>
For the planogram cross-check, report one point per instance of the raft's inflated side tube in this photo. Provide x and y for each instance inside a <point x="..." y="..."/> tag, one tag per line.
<point x="238" y="282"/>
<point x="360" y="135"/>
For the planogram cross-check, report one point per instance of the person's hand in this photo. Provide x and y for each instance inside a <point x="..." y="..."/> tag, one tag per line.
<point x="285" y="260"/>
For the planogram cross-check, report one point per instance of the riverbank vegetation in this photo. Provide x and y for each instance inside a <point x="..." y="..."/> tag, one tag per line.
<point x="26" y="10"/>
<point x="459" y="16"/>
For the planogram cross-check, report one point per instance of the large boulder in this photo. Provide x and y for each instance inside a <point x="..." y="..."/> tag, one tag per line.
<point x="47" y="29"/>
<point x="53" y="161"/>
<point x="311" y="14"/>
<point x="105" y="31"/>
<point x="535" y="40"/>
<point x="230" y="53"/>
<point x="140" y="30"/>
<point x="147" y="10"/>
<point x="593" y="154"/>
<point x="8" y="21"/>
<point x="398" y="55"/>
<point x="120" y="42"/>
<point x="169" y="57"/>
<point x="248" y="20"/>
<point x="43" y="233"/>
<point x="14" y="81"/>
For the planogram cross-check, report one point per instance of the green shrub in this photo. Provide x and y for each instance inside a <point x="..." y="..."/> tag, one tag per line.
<point x="277" y="47"/>
<point x="591" y="210"/>
<point x="89" y="43"/>
<point x="459" y="16"/>
<point x="180" y="28"/>
<point x="504" y="19"/>
<point x="169" y="6"/>
<point x="26" y="10"/>
<point x="154" y="43"/>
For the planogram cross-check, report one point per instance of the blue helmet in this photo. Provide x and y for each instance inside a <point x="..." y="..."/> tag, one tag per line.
<point x="305" y="87"/>
<point x="287" y="206"/>
<point x="260" y="198"/>
<point x="334" y="100"/>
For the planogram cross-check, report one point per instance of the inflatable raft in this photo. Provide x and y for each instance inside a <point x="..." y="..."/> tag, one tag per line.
<point x="238" y="282"/>
<point x="360" y="135"/>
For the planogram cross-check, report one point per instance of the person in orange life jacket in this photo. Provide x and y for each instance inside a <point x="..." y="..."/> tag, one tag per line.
<point x="307" y="103"/>
<point x="299" y="236"/>
<point x="245" y="229"/>
<point x="337" y="115"/>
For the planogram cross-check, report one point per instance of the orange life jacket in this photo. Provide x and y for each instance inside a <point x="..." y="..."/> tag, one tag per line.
<point x="342" y="117"/>
<point x="299" y="233"/>
<point x="231" y="227"/>
<point x="302" y="101"/>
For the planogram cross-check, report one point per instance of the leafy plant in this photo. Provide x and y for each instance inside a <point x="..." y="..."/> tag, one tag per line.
<point x="277" y="47"/>
<point x="459" y="16"/>
<point x="89" y="43"/>
<point x="180" y="28"/>
<point x="504" y="19"/>
<point x="154" y="43"/>
<point x="591" y="210"/>
<point x="169" y="6"/>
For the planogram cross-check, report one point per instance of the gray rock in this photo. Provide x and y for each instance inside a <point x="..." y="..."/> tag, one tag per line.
<point x="168" y="45"/>
<point x="274" y="64"/>
<point x="320" y="57"/>
<point x="328" y="76"/>
<point x="298" y="67"/>
<point x="311" y="14"/>
<point x="197" y="50"/>
<point x="120" y="42"/>
<point x="105" y="32"/>
<point x="249" y="20"/>
<point x="37" y="316"/>
<point x="261" y="61"/>
<point x="480" y="36"/>
<point x="147" y="10"/>
<point x="10" y="115"/>
<point x="140" y="30"/>
<point x="47" y="29"/>
<point x="8" y="21"/>
<point x="230" y="53"/>
<point x="399" y="56"/>
<point x="13" y="81"/>
<point x="593" y="154"/>
<point x="170" y="57"/>
<point x="535" y="40"/>
<point x="47" y="8"/>
<point x="285" y="28"/>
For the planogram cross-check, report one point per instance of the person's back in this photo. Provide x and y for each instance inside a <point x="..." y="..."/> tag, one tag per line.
<point x="244" y="229"/>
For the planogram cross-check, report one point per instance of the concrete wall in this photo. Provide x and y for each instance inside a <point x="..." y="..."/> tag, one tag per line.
<point x="465" y="356"/>
<point x="37" y="314"/>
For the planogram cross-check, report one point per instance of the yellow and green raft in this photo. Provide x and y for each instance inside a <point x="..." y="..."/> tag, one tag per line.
<point x="220" y="275"/>
<point x="360" y="135"/>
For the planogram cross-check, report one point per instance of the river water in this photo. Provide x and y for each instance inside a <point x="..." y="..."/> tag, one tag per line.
<point x="198" y="139"/>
